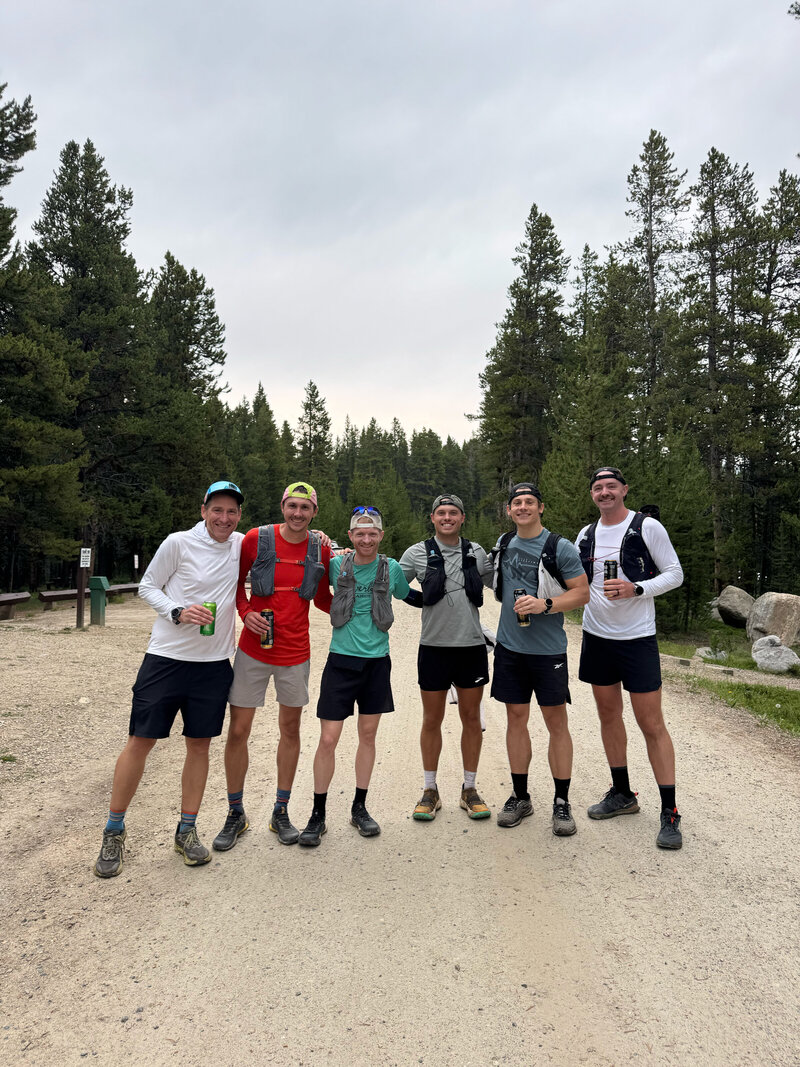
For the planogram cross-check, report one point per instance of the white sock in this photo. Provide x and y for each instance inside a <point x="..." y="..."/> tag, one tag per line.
<point x="469" y="779"/>
<point x="430" y="779"/>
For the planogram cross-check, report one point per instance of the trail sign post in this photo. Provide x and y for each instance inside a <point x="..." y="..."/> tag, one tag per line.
<point x="83" y="569"/>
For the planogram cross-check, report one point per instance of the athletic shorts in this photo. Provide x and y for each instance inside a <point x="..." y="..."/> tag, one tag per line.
<point x="350" y="680"/>
<point x="164" y="687"/>
<point x="251" y="678"/>
<point x="438" y="668"/>
<point x="519" y="675"/>
<point x="634" y="663"/>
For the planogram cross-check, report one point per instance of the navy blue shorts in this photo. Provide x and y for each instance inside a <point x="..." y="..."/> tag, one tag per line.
<point x="635" y="663"/>
<point x="518" y="675"/>
<point x="165" y="687"/>
<point x="350" y="680"/>
<point x="464" y="667"/>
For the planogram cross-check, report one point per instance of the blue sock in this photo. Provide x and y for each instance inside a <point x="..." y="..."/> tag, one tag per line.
<point x="188" y="819"/>
<point x="116" y="821"/>
<point x="282" y="797"/>
<point x="235" y="801"/>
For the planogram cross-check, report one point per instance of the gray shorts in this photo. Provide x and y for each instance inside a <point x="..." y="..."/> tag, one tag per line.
<point x="251" y="677"/>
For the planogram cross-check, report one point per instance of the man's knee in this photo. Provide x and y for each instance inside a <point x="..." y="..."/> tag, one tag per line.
<point x="555" y="719"/>
<point x="240" y="724"/>
<point x="289" y="723"/>
<point x="197" y="746"/>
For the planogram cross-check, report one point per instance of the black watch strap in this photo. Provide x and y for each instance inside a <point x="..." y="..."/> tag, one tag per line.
<point x="548" y="606"/>
<point x="176" y="615"/>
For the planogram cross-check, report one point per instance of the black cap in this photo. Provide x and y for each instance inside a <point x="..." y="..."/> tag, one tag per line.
<point x="524" y="487"/>
<point x="607" y="472"/>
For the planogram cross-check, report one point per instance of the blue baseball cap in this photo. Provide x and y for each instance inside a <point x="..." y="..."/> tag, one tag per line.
<point x="224" y="487"/>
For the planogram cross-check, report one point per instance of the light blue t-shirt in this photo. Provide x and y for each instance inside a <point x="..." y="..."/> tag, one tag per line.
<point x="360" y="636"/>
<point x="545" y="636"/>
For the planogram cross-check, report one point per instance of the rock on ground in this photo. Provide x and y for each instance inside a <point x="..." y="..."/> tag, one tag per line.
<point x="778" y="614"/>
<point x="734" y="606"/>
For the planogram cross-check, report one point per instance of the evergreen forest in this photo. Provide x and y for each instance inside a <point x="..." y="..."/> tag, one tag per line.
<point x="672" y="355"/>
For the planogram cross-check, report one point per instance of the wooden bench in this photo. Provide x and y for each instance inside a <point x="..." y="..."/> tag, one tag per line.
<point x="9" y="601"/>
<point x="130" y="587"/>
<point x="50" y="596"/>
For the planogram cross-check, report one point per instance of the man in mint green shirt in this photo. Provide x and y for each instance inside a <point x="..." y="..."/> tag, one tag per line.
<point x="358" y="669"/>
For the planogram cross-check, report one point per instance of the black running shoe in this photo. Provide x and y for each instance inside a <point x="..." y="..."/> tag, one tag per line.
<point x="614" y="803"/>
<point x="194" y="853"/>
<point x="235" y="824"/>
<point x="109" y="862"/>
<point x="314" y="830"/>
<point x="514" y="811"/>
<point x="669" y="836"/>
<point x="363" y="821"/>
<point x="280" y="825"/>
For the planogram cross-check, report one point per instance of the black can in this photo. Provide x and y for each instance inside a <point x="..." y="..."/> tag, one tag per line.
<point x="522" y="620"/>
<point x="609" y="569"/>
<point x="268" y="639"/>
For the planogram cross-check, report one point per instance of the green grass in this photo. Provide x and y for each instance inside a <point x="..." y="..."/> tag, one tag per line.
<point x="6" y="757"/>
<point x="767" y="702"/>
<point x="674" y="648"/>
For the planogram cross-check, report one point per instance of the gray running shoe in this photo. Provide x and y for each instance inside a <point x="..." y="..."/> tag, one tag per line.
<point x="188" y="844"/>
<point x="514" y="811"/>
<point x="669" y="836"/>
<point x="314" y="830"/>
<point x="109" y="862"/>
<point x="614" y="803"/>
<point x="563" y="823"/>
<point x="279" y="824"/>
<point x="363" y="821"/>
<point x="235" y="824"/>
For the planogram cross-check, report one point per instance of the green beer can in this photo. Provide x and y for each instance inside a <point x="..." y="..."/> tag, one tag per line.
<point x="207" y="629"/>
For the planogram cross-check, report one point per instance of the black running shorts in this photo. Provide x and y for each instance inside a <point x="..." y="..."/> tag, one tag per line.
<point x="518" y="675"/>
<point x="635" y="663"/>
<point x="438" y="668"/>
<point x="350" y="680"/>
<point x="165" y="686"/>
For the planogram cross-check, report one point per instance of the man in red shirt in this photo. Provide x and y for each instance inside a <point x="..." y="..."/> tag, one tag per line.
<point x="288" y="567"/>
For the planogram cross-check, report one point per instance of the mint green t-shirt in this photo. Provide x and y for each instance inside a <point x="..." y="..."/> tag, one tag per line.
<point x="360" y="636"/>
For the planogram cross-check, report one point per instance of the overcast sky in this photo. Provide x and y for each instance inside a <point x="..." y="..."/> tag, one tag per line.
<point x="352" y="176"/>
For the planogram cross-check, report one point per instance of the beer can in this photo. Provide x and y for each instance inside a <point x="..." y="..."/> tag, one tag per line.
<point x="609" y="569"/>
<point x="207" y="629"/>
<point x="522" y="620"/>
<point x="268" y="639"/>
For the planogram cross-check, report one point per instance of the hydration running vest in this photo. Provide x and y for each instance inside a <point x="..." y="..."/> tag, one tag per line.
<point x="634" y="556"/>
<point x="547" y="560"/>
<point x="433" y="583"/>
<point x="345" y="596"/>
<point x="262" y="572"/>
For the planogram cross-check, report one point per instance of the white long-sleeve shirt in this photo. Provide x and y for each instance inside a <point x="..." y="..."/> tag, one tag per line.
<point x="624" y="620"/>
<point x="190" y="567"/>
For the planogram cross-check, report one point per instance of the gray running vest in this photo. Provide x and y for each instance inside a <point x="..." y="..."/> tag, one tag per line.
<point x="345" y="596"/>
<point x="262" y="572"/>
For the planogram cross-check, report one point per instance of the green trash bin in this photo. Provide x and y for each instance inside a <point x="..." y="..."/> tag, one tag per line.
<point x="98" y="587"/>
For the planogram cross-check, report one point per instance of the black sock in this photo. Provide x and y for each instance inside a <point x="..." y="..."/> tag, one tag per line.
<point x="667" y="797"/>
<point x="562" y="789"/>
<point x="520" y="782"/>
<point x="360" y="797"/>
<point x="619" y="776"/>
<point x="320" y="800"/>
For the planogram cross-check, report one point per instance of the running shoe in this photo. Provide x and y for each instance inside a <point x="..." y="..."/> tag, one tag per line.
<point x="563" y="823"/>
<point x="514" y="811"/>
<point x="473" y="804"/>
<point x="279" y="824"/>
<point x="612" y="804"/>
<point x="428" y="805"/>
<point x="314" y="830"/>
<point x="363" y="821"/>
<point x="235" y="824"/>
<point x="188" y="844"/>
<point x="109" y="862"/>
<point x="669" y="836"/>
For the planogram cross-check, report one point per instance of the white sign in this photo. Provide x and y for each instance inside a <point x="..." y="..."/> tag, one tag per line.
<point x="136" y="563"/>
<point x="86" y="557"/>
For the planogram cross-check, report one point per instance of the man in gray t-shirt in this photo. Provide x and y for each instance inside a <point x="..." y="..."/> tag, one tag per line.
<point x="531" y="652"/>
<point x="452" y="572"/>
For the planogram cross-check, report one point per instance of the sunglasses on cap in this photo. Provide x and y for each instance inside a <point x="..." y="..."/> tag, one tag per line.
<point x="362" y="510"/>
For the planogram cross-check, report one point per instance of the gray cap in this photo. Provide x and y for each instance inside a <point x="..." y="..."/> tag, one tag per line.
<point x="448" y="498"/>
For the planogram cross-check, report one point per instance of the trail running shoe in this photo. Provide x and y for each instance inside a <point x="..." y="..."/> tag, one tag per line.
<point x="280" y="825"/>
<point x="428" y="805"/>
<point x="612" y="804"/>
<point x="473" y="804"/>
<point x="314" y="830"/>
<point x="514" y="811"/>
<point x="563" y="823"/>
<point x="235" y="824"/>
<point x="669" y="836"/>
<point x="363" y="821"/>
<point x="188" y="844"/>
<point x="109" y="862"/>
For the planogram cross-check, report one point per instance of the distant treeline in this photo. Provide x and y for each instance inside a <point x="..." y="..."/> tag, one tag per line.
<point x="674" y="357"/>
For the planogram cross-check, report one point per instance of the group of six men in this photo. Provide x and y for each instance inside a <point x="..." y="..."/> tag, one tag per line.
<point x="536" y="575"/>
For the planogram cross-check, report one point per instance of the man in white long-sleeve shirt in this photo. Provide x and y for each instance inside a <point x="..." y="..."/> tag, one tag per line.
<point x="619" y="642"/>
<point x="184" y="669"/>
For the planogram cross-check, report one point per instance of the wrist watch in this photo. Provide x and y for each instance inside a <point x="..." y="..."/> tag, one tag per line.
<point x="548" y="606"/>
<point x="638" y="590"/>
<point x="175" y="614"/>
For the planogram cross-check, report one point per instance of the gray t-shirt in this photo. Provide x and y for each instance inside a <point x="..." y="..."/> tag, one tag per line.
<point x="545" y="636"/>
<point x="453" y="622"/>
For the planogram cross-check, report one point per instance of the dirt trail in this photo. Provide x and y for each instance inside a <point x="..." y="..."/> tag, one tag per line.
<point x="449" y="943"/>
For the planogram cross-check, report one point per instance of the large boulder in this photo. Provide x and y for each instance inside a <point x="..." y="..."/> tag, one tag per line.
<point x="775" y="659"/>
<point x="713" y="610"/>
<point x="773" y="641"/>
<point x="775" y="613"/>
<point x="734" y="605"/>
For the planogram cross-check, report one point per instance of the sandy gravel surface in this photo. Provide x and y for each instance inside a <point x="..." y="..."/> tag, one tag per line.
<point x="449" y="943"/>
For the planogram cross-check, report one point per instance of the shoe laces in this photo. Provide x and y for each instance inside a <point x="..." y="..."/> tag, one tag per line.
<point x="511" y="803"/>
<point x="232" y="818"/>
<point x="562" y="811"/>
<point x="112" y="846"/>
<point x="672" y="817"/>
<point x="190" y="837"/>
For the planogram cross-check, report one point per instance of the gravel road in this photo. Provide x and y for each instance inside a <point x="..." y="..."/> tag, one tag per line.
<point x="447" y="943"/>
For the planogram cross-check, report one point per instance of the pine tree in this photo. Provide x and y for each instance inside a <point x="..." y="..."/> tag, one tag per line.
<point x="314" y="443"/>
